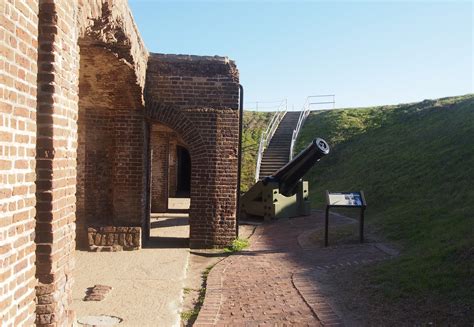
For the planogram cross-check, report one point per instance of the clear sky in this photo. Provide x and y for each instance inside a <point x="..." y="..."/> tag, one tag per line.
<point x="366" y="53"/>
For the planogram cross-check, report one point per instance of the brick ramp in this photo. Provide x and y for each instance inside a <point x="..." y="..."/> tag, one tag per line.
<point x="274" y="281"/>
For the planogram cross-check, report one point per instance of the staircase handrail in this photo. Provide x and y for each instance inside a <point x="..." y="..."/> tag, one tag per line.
<point x="304" y="113"/>
<point x="268" y="134"/>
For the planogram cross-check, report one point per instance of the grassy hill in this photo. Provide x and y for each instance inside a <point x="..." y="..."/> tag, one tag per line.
<point x="254" y="124"/>
<point x="415" y="163"/>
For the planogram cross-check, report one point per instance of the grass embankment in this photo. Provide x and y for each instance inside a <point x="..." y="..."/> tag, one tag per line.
<point x="254" y="124"/>
<point x="415" y="163"/>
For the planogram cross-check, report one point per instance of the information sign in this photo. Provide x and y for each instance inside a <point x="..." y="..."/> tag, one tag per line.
<point x="345" y="200"/>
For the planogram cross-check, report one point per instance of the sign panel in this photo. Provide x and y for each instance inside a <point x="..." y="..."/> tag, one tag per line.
<point x="346" y="199"/>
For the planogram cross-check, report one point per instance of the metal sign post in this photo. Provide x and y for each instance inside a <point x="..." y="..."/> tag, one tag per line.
<point x="345" y="200"/>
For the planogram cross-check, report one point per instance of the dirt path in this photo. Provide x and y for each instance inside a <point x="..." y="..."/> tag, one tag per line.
<point x="276" y="281"/>
<point x="147" y="284"/>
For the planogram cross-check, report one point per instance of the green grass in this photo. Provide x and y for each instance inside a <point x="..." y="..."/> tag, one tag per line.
<point x="237" y="245"/>
<point x="187" y="290"/>
<point x="254" y="124"/>
<point x="189" y="316"/>
<point x="415" y="163"/>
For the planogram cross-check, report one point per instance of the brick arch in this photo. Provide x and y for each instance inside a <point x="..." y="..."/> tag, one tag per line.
<point x="177" y="120"/>
<point x="210" y="136"/>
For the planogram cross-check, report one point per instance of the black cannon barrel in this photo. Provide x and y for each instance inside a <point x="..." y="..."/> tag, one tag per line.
<point x="289" y="175"/>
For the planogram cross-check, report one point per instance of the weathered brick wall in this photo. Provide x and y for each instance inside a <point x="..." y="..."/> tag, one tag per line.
<point x="110" y="24"/>
<point x="164" y="142"/>
<point x="186" y="81"/>
<point x="173" y="165"/>
<point x="56" y="160"/>
<point x="62" y="104"/>
<point x="18" y="69"/>
<point x="104" y="24"/>
<point x="198" y="98"/>
<point x="111" y="140"/>
<point x="111" y="105"/>
<point x="111" y="238"/>
<point x="160" y="148"/>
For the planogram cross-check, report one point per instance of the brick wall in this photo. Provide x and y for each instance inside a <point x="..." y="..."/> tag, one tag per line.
<point x="67" y="119"/>
<point x="173" y="165"/>
<point x="160" y="148"/>
<point x="18" y="69"/>
<point x="164" y="142"/>
<point x="56" y="160"/>
<point x="109" y="26"/>
<point x="198" y="98"/>
<point x="111" y="140"/>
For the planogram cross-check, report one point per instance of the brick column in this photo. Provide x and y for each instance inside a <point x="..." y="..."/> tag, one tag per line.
<point x="198" y="98"/>
<point x="18" y="73"/>
<point x="56" y="160"/>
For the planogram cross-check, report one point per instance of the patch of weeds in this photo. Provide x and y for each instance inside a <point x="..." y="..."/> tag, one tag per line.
<point x="206" y="272"/>
<point x="190" y="316"/>
<point x="237" y="245"/>
<point x="187" y="290"/>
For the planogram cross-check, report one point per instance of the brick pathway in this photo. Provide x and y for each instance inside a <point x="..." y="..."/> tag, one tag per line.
<point x="273" y="283"/>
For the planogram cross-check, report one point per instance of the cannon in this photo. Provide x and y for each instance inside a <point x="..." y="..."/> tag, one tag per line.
<point x="284" y="194"/>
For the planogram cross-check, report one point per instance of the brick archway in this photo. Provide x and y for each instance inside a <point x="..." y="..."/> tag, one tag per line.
<point x="202" y="221"/>
<point x="198" y="98"/>
<point x="177" y="120"/>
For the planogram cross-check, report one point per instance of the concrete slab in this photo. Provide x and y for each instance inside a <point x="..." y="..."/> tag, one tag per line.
<point x="147" y="284"/>
<point x="179" y="203"/>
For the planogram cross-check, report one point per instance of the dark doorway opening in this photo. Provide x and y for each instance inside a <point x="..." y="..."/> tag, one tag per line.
<point x="183" y="187"/>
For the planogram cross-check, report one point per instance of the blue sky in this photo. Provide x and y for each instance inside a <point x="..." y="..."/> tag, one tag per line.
<point x="366" y="53"/>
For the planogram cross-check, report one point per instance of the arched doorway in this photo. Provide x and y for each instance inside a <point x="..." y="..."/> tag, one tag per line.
<point x="170" y="171"/>
<point x="213" y="168"/>
<point x="183" y="175"/>
<point x="170" y="186"/>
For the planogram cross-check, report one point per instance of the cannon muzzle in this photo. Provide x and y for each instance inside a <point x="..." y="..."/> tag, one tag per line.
<point x="290" y="174"/>
<point x="284" y="194"/>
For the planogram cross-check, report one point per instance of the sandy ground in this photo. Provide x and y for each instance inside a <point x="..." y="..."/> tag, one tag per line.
<point x="147" y="284"/>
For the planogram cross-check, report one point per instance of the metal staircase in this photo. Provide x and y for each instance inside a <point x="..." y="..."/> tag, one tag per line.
<point x="278" y="141"/>
<point x="277" y="154"/>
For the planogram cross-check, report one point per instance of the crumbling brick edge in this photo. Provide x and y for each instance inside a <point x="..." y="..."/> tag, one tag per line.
<point x="113" y="238"/>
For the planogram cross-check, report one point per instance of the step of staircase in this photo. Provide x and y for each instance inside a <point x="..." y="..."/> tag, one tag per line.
<point x="278" y="151"/>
